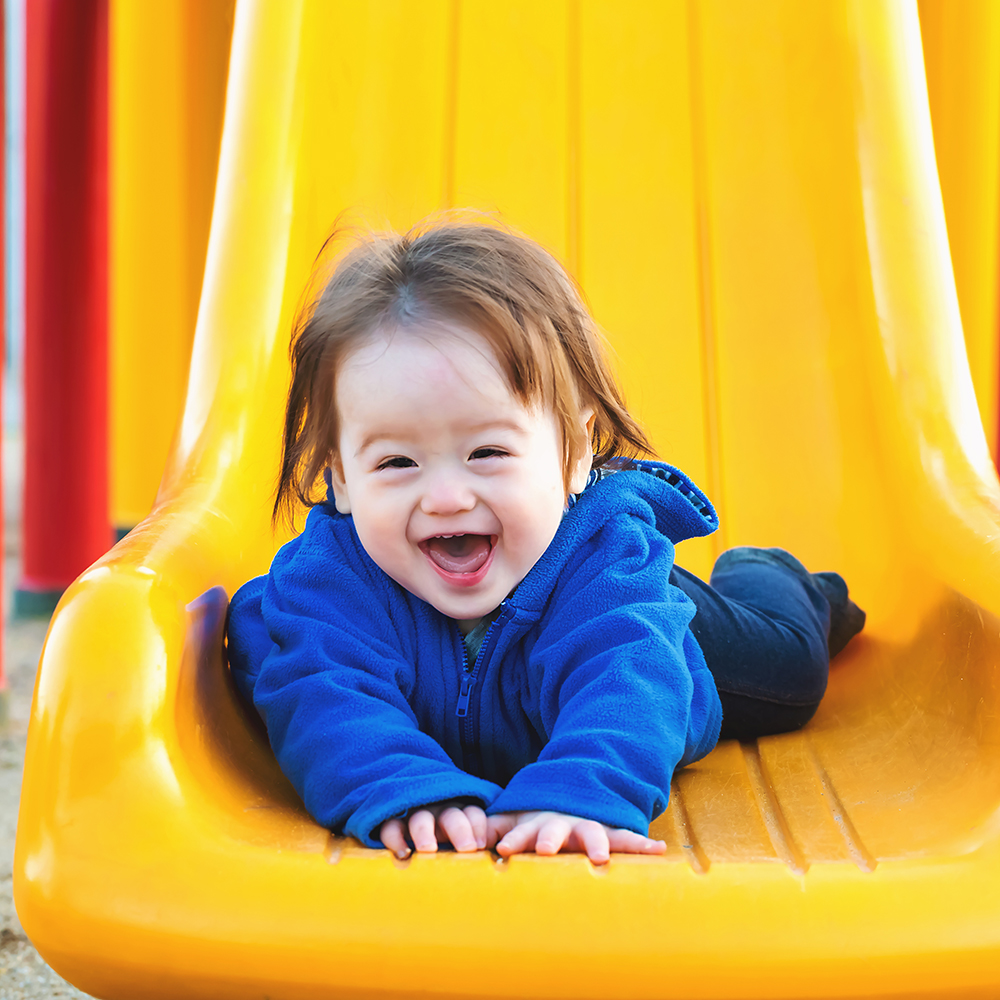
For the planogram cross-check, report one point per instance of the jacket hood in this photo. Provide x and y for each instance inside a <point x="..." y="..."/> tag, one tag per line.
<point x="657" y="493"/>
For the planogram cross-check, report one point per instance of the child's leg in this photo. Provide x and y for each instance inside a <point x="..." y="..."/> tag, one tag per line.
<point x="767" y="628"/>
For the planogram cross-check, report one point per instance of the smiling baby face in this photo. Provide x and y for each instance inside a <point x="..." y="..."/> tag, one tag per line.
<point x="455" y="486"/>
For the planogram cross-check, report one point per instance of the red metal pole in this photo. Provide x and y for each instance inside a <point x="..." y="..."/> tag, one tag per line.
<point x="66" y="525"/>
<point x="3" y="318"/>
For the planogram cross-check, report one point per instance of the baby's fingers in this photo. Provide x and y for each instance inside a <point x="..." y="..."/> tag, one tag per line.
<point x="627" y="842"/>
<point x="394" y="839"/>
<point x="422" y="824"/>
<point x="521" y="837"/>
<point x="553" y="835"/>
<point x="498" y="826"/>
<point x="456" y="828"/>
<point x="593" y="840"/>
<point x="477" y="820"/>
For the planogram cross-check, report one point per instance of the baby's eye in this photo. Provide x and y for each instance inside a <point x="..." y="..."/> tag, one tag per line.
<point x="397" y="462"/>
<point x="488" y="453"/>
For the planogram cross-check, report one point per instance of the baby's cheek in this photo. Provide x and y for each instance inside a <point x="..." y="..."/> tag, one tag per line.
<point x="530" y="545"/>
<point x="383" y="539"/>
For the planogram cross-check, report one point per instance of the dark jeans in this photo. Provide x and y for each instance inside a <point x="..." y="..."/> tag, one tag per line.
<point x="763" y="624"/>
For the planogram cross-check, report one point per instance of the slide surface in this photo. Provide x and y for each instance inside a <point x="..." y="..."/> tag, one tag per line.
<point x="961" y="43"/>
<point x="747" y="194"/>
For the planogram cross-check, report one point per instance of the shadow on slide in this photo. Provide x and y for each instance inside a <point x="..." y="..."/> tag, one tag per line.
<point x="748" y="196"/>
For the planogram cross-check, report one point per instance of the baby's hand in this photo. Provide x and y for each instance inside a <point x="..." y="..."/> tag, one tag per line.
<point x="446" y="822"/>
<point x="552" y="832"/>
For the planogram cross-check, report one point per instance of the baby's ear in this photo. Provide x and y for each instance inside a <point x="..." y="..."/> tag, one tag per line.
<point x="582" y="462"/>
<point x="339" y="486"/>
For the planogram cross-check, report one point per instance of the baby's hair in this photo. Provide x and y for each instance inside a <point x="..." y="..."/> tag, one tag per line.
<point x="487" y="278"/>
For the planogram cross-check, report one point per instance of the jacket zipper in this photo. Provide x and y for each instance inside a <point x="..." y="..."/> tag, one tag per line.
<point x="465" y="708"/>
<point x="462" y="710"/>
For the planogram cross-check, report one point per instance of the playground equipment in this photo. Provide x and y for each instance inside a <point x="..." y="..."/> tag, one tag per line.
<point x="65" y="508"/>
<point x="167" y="67"/>
<point x="113" y="271"/>
<point x="749" y="198"/>
<point x="961" y="43"/>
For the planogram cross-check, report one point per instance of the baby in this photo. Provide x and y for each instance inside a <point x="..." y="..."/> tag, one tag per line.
<point x="480" y="638"/>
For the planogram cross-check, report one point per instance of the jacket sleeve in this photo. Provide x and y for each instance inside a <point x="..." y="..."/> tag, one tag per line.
<point x="623" y="692"/>
<point x="331" y="688"/>
<point x="247" y="641"/>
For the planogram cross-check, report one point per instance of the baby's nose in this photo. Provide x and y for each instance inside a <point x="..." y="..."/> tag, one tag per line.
<point x="447" y="495"/>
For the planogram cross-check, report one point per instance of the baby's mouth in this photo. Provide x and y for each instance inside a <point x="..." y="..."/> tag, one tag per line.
<point x="459" y="554"/>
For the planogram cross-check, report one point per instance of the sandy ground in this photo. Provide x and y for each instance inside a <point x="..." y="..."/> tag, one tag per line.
<point x="23" y="974"/>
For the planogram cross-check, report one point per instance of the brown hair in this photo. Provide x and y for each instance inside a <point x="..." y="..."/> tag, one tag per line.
<point x="494" y="281"/>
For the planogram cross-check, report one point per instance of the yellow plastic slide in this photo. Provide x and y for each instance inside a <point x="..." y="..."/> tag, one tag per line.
<point x="748" y="194"/>
<point x="961" y="44"/>
<point x="167" y="79"/>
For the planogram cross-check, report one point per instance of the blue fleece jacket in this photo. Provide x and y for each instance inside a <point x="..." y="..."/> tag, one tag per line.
<point x="588" y="690"/>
